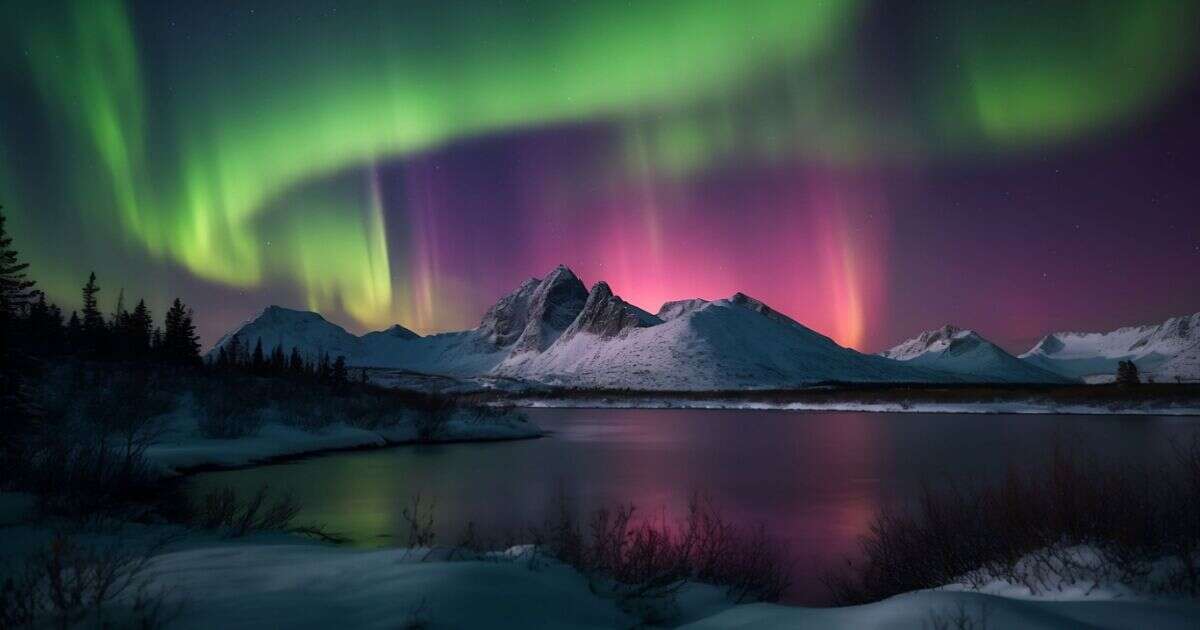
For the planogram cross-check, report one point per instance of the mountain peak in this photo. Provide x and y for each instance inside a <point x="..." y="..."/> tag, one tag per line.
<point x="553" y="305"/>
<point x="937" y="340"/>
<point x="277" y="312"/>
<point x="606" y="315"/>
<point x="964" y="352"/>
<point x="676" y="308"/>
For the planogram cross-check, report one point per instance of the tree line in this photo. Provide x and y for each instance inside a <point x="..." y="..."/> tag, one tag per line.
<point x="32" y="327"/>
<point x="235" y="355"/>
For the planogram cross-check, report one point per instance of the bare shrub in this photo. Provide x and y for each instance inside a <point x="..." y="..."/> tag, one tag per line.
<point x="644" y="563"/>
<point x="68" y="583"/>
<point x="85" y="458"/>
<point x="228" y="412"/>
<point x="1031" y="527"/>
<point x="221" y="509"/>
<point x="417" y="616"/>
<point x="419" y="519"/>
<point x="958" y="618"/>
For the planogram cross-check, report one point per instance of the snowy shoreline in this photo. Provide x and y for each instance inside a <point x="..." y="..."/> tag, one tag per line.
<point x="277" y="580"/>
<point x="1027" y="407"/>
<point x="182" y="451"/>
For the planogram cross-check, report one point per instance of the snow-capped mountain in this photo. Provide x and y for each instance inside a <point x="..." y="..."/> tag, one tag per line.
<point x="1165" y="351"/>
<point x="306" y="331"/>
<point x="734" y="343"/>
<point x="965" y="352"/>
<point x="555" y="331"/>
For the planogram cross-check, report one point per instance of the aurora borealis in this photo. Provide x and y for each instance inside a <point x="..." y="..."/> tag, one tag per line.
<point x="869" y="168"/>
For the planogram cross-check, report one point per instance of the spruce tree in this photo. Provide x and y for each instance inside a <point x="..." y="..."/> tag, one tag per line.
<point x="180" y="343"/>
<point x="338" y="374"/>
<point x="16" y="289"/>
<point x="296" y="363"/>
<point x="278" y="361"/>
<point x="1127" y="373"/>
<point x="258" y="362"/>
<point x="74" y="333"/>
<point x="140" y="327"/>
<point x="94" y="339"/>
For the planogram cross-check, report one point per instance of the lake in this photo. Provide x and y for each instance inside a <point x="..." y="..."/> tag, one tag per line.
<point x="815" y="480"/>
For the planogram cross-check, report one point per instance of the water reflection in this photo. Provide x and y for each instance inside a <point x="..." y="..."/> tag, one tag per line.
<point x="815" y="480"/>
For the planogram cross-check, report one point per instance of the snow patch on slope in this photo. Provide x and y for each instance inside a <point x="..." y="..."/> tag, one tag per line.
<point x="1170" y="346"/>
<point x="965" y="352"/>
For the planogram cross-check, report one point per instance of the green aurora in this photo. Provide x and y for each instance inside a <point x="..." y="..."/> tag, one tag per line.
<point x="247" y="155"/>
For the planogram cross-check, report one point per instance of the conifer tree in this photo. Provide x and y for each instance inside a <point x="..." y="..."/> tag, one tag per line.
<point x="338" y="374"/>
<point x="1127" y="373"/>
<point x="180" y="342"/>
<point x="94" y="329"/>
<point x="156" y="342"/>
<point x="16" y="290"/>
<point x="74" y="332"/>
<point x="296" y="363"/>
<point x="258" y="362"/>
<point x="140" y="329"/>
<point x="278" y="361"/>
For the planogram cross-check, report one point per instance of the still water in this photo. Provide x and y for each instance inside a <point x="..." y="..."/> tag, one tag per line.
<point x="814" y="479"/>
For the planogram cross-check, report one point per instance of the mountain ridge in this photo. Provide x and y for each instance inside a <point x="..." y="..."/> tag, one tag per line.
<point x="554" y="330"/>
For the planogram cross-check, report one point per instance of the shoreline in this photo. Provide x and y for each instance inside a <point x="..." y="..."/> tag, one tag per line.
<point x="980" y="408"/>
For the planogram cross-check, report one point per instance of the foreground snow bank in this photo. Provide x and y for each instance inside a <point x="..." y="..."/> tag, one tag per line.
<point x="275" y="580"/>
<point x="313" y="586"/>
<point x="308" y="586"/>
<point x="182" y="446"/>
<point x="936" y="609"/>
<point x="1025" y="407"/>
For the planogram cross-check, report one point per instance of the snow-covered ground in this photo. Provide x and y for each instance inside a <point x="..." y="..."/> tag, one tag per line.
<point x="275" y="580"/>
<point x="1022" y="407"/>
<point x="182" y="447"/>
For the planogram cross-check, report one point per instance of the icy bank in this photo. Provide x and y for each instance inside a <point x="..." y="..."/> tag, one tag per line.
<point x="314" y="586"/>
<point x="1025" y="407"/>
<point x="182" y="446"/>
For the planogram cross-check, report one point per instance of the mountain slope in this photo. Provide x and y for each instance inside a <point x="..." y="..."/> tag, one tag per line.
<point x="308" y="332"/>
<point x="727" y="344"/>
<point x="1094" y="356"/>
<point x="966" y="353"/>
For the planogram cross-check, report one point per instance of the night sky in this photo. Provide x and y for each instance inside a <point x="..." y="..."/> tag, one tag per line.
<point x="873" y="169"/>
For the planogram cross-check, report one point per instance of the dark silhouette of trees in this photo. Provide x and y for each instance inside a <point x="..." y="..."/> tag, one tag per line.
<point x="339" y="377"/>
<point x="1127" y="373"/>
<point x="16" y="292"/>
<point x="180" y="344"/>
<point x="258" y="362"/>
<point x="93" y="341"/>
<point x="296" y="363"/>
<point x="16" y="289"/>
<point x="140" y="330"/>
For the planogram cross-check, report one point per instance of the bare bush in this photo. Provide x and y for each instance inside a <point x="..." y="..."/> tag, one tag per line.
<point x="644" y="563"/>
<point x="68" y="583"/>
<point x="1029" y="529"/>
<point x="221" y="509"/>
<point x="86" y="458"/>
<point x="958" y="618"/>
<point x="419" y="519"/>
<point x="227" y="412"/>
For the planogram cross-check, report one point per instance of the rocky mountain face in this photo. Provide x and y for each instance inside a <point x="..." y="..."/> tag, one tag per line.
<point x="555" y="331"/>
<point x="1165" y="352"/>
<point x="606" y="315"/>
<point x="554" y="305"/>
